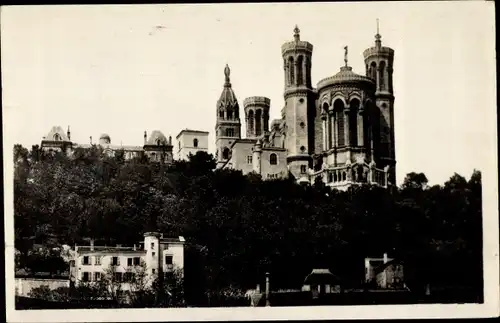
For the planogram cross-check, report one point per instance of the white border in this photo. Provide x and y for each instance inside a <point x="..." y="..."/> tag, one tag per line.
<point x="490" y="308"/>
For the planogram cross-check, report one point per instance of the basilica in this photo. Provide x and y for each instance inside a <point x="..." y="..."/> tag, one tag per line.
<point x="340" y="132"/>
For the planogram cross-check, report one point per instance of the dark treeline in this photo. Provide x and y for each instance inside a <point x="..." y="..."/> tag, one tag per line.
<point x="239" y="227"/>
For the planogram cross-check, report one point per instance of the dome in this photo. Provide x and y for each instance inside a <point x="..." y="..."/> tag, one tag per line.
<point x="104" y="139"/>
<point x="57" y="134"/>
<point x="157" y="138"/>
<point x="346" y="75"/>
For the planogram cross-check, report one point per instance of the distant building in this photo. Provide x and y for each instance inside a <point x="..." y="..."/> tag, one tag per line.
<point x="155" y="256"/>
<point x="321" y="281"/>
<point x="190" y="142"/>
<point x="156" y="148"/>
<point x="385" y="273"/>
<point x="340" y="132"/>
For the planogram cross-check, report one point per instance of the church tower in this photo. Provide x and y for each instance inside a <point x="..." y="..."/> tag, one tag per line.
<point x="299" y="105"/>
<point x="228" y="125"/>
<point x="379" y="67"/>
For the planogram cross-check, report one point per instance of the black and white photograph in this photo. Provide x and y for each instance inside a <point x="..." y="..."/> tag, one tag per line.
<point x="250" y="161"/>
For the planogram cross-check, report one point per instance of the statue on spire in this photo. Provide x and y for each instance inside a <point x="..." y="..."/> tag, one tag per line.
<point x="296" y="33"/>
<point x="227" y="71"/>
<point x="345" y="55"/>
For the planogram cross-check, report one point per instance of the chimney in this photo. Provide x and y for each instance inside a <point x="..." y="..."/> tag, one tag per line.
<point x="257" y="289"/>
<point x="69" y="134"/>
<point x="91" y="140"/>
<point x="385" y="258"/>
<point x="91" y="245"/>
<point x="135" y="248"/>
<point x="145" y="137"/>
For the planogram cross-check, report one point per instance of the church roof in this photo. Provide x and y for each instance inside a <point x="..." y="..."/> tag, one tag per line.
<point x="346" y="75"/>
<point x="227" y="97"/>
<point x="56" y="134"/>
<point x="155" y="136"/>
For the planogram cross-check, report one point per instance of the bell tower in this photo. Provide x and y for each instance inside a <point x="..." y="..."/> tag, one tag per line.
<point x="228" y="125"/>
<point x="379" y="67"/>
<point x="299" y="105"/>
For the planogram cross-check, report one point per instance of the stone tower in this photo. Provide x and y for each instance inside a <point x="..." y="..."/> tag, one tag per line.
<point x="379" y="67"/>
<point x="257" y="115"/>
<point x="228" y="125"/>
<point x="299" y="105"/>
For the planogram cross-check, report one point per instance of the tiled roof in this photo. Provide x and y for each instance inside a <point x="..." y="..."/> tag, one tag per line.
<point x="106" y="249"/>
<point x="346" y="75"/>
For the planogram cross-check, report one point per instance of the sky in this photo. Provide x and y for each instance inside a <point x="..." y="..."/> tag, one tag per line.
<point x="125" y="69"/>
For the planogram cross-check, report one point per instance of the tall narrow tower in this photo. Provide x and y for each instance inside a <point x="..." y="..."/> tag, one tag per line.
<point x="257" y="115"/>
<point x="299" y="104"/>
<point x="379" y="67"/>
<point x="228" y="125"/>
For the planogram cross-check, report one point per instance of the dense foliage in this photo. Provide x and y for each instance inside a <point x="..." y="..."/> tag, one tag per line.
<point x="239" y="227"/>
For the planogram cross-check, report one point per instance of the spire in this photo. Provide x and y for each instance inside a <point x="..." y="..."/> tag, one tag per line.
<point x="296" y="33"/>
<point x="227" y="71"/>
<point x="378" y="42"/>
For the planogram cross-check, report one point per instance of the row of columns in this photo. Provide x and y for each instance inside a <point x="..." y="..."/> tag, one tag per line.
<point x="331" y="129"/>
<point x="291" y="79"/>
<point x="252" y="129"/>
<point x="234" y="115"/>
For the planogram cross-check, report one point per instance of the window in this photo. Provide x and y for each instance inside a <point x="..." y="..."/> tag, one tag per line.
<point x="97" y="276"/>
<point x="86" y="260"/>
<point x="195" y="143"/>
<point x="169" y="259"/>
<point x="230" y="132"/>
<point x="115" y="261"/>
<point x="86" y="276"/>
<point x="249" y="159"/>
<point x="118" y="277"/>
<point x="273" y="159"/>
<point x="129" y="277"/>
<point x="129" y="261"/>
<point x="152" y="245"/>
<point x="97" y="260"/>
<point x="137" y="261"/>
<point x="154" y="253"/>
<point x="153" y="271"/>
<point x="303" y="168"/>
<point x="225" y="153"/>
<point x="57" y="137"/>
<point x="221" y="113"/>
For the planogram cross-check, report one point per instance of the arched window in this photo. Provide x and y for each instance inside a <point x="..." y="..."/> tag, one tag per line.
<point x="230" y="132"/>
<point x="57" y="137"/>
<point x="258" y="122"/>
<point x="373" y="71"/>
<point x="221" y="113"/>
<point x="353" y="122"/>
<point x="251" y="123"/>
<point x="291" y="69"/>
<point x="158" y="142"/>
<point x="338" y="107"/>
<point x="229" y="114"/>
<point x="381" y="74"/>
<point x="195" y="143"/>
<point x="308" y="71"/>
<point x="328" y="130"/>
<point x="273" y="159"/>
<point x="300" y="70"/>
<point x="225" y="153"/>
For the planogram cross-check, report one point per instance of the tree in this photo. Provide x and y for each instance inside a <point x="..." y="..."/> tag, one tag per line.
<point x="415" y="180"/>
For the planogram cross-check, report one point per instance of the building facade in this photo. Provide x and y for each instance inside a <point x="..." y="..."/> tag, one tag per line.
<point x="190" y="142"/>
<point x="156" y="147"/>
<point x="340" y="132"/>
<point x="154" y="256"/>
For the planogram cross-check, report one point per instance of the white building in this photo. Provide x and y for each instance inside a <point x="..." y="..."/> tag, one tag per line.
<point x="190" y="142"/>
<point x="155" y="256"/>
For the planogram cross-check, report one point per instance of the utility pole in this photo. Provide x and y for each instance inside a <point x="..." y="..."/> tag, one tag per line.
<point x="267" y="290"/>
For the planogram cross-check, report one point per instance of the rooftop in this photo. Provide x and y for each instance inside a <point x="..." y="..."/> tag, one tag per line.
<point x="191" y="131"/>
